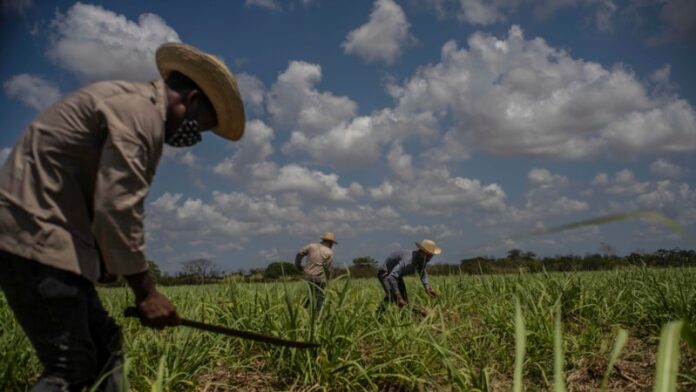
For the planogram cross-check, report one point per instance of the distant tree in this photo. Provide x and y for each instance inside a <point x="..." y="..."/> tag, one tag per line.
<point x="529" y="255"/>
<point x="514" y="254"/>
<point x="279" y="269"/>
<point x="364" y="261"/>
<point x="606" y="249"/>
<point x="200" y="269"/>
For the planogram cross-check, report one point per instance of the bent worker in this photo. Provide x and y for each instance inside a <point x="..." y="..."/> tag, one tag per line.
<point x="317" y="270"/>
<point x="71" y="208"/>
<point x="401" y="263"/>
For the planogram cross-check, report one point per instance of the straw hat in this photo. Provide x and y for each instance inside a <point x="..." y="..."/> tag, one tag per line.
<point x="213" y="77"/>
<point x="429" y="247"/>
<point x="329" y="236"/>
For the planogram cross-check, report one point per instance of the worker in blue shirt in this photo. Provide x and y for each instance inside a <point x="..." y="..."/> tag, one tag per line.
<point x="402" y="263"/>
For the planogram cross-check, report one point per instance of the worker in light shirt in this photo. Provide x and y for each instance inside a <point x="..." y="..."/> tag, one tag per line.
<point x="317" y="270"/>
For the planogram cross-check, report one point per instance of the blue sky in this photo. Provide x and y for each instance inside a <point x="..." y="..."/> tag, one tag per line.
<point x="387" y="122"/>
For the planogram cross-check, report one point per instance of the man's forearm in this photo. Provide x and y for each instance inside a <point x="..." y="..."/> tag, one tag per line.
<point x="142" y="284"/>
<point x="298" y="261"/>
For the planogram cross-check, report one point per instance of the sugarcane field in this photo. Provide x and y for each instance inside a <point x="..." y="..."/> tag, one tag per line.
<point x="493" y="333"/>
<point x="367" y="195"/>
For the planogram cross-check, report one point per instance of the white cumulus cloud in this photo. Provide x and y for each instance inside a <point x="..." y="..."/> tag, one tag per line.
<point x="516" y="96"/>
<point x="295" y="103"/>
<point x="252" y="91"/>
<point x="665" y="168"/>
<point x="436" y="192"/>
<point x="97" y="44"/>
<point x="33" y="90"/>
<point x="384" y="37"/>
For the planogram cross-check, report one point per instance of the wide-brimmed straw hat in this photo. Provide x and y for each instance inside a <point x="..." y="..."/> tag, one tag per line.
<point x="329" y="236"/>
<point x="429" y="247"/>
<point x="213" y="77"/>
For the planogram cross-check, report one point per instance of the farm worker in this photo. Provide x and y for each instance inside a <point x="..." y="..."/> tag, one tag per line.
<point x="71" y="208"/>
<point x="317" y="270"/>
<point x="401" y="263"/>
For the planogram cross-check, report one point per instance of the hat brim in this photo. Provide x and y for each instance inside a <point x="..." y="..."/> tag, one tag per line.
<point x="214" y="78"/>
<point x="329" y="239"/>
<point x="436" y="251"/>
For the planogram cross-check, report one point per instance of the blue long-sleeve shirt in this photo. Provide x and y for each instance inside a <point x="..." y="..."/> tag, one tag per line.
<point x="402" y="263"/>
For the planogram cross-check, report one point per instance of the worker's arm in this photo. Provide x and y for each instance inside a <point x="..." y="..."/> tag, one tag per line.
<point x="128" y="160"/>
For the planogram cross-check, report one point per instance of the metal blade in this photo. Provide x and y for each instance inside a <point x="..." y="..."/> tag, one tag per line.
<point x="133" y="312"/>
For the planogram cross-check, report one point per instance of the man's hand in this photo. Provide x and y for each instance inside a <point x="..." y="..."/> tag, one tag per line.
<point x="155" y="310"/>
<point x="400" y="301"/>
<point x="432" y="293"/>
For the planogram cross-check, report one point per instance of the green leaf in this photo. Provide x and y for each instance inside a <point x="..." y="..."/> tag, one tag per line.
<point x="621" y="339"/>
<point x="668" y="357"/>
<point x="689" y="335"/>
<point x="520" y="343"/>
<point x="558" y="376"/>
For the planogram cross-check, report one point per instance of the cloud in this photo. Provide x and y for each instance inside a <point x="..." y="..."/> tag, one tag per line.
<point x="478" y="12"/>
<point x="489" y="12"/>
<point x="668" y="195"/>
<point x="97" y="44"/>
<point x="664" y="168"/>
<point x="293" y="102"/>
<point x="600" y="179"/>
<point x="623" y="183"/>
<point x="33" y="90"/>
<point x="250" y="151"/>
<point x="400" y="163"/>
<point x="229" y="221"/>
<point x="354" y="143"/>
<point x="545" y="198"/>
<point x="249" y="164"/>
<point x="272" y="5"/>
<point x="171" y="218"/>
<point x="519" y="97"/>
<point x="253" y="92"/>
<point x="277" y="6"/>
<point x="384" y="37"/>
<point x="326" y="127"/>
<point x="544" y="178"/>
<point x="436" y="192"/>
<point x="314" y="184"/>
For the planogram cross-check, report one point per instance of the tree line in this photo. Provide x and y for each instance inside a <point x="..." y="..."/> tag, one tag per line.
<point x="202" y="271"/>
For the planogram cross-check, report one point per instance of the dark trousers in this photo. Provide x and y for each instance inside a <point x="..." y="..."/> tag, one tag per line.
<point x="316" y="295"/>
<point x="388" y="295"/>
<point x="75" y="339"/>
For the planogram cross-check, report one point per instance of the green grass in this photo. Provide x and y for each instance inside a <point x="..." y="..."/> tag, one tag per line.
<point x="575" y="331"/>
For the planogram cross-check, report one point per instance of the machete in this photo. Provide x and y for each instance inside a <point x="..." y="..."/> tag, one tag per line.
<point x="133" y="312"/>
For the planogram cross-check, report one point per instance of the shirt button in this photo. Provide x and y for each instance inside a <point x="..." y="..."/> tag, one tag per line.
<point x="153" y="100"/>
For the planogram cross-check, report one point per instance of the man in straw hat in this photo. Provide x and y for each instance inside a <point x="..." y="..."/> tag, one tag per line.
<point x="71" y="207"/>
<point x="317" y="270"/>
<point x="401" y="263"/>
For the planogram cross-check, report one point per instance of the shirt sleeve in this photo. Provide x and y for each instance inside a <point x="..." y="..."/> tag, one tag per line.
<point x="424" y="277"/>
<point x="394" y="275"/>
<point x="300" y="255"/>
<point x="128" y="161"/>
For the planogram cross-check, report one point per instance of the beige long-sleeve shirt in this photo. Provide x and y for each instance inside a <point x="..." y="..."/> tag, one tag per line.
<point x="77" y="179"/>
<point x="319" y="260"/>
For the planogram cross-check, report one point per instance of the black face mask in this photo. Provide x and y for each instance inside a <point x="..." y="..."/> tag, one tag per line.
<point x="187" y="135"/>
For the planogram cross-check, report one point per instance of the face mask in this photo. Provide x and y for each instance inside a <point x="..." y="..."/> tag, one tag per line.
<point x="186" y="136"/>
